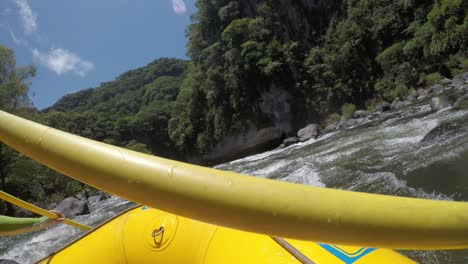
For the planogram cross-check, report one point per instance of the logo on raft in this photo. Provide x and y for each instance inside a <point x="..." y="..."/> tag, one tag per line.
<point x="346" y="257"/>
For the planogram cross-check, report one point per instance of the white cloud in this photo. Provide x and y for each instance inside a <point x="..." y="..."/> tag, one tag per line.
<point x="14" y="38"/>
<point x="179" y="6"/>
<point x="27" y="15"/>
<point x="62" y="61"/>
<point x="17" y="40"/>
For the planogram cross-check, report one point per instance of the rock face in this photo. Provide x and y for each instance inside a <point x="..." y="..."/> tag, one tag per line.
<point x="236" y="146"/>
<point x="72" y="207"/>
<point x="308" y="132"/>
<point x="275" y="105"/>
<point x="439" y="102"/>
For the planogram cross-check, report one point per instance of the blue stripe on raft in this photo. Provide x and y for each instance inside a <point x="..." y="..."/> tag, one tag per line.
<point x="346" y="257"/>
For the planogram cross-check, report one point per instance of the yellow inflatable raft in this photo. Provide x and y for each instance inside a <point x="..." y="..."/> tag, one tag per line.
<point x="146" y="235"/>
<point x="243" y="203"/>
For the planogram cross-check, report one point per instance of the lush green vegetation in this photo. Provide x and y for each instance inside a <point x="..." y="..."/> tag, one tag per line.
<point x="350" y="51"/>
<point x="329" y="56"/>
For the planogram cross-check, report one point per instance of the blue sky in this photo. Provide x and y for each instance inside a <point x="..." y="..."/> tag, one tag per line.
<point x="80" y="44"/>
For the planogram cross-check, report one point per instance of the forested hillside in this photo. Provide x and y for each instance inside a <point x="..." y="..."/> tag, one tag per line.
<point x="132" y="111"/>
<point x="308" y="58"/>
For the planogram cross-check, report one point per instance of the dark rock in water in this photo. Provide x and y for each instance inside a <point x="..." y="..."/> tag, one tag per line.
<point x="457" y="82"/>
<point x="445" y="81"/>
<point x="375" y="115"/>
<point x="350" y="123"/>
<point x="437" y="89"/>
<point x="8" y="261"/>
<point x="72" y="207"/>
<point x="95" y="198"/>
<point x="362" y="120"/>
<point x="341" y="124"/>
<point x="411" y="98"/>
<point x="446" y="130"/>
<point x="383" y="107"/>
<point x="360" y="113"/>
<point x="308" y="132"/>
<point x="290" y="141"/>
<point x="422" y="93"/>
<point x="397" y="104"/>
<point x="387" y="116"/>
<point x="330" y="128"/>
<point x="461" y="103"/>
<point x="439" y="102"/>
<point x="465" y="76"/>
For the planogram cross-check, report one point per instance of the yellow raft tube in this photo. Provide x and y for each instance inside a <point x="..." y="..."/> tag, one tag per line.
<point x="136" y="237"/>
<point x="240" y="202"/>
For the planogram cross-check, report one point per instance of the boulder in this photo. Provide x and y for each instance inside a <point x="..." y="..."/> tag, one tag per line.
<point x="341" y="124"/>
<point x="411" y="98"/>
<point x="360" y="113"/>
<point x="437" y="89"/>
<point x="330" y="128"/>
<point x="465" y="76"/>
<point x="308" y="132"/>
<point x="95" y="198"/>
<point x="290" y="141"/>
<point x="397" y="104"/>
<point x="71" y="207"/>
<point x="383" y="107"/>
<point x="461" y="103"/>
<point x="457" y="82"/>
<point x="387" y="116"/>
<point x="52" y="206"/>
<point x="422" y="93"/>
<point x="439" y="102"/>
<point x="375" y="115"/>
<point x="445" y="81"/>
<point x="350" y="123"/>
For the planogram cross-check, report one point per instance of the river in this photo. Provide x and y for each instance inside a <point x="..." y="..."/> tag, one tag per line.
<point x="387" y="157"/>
